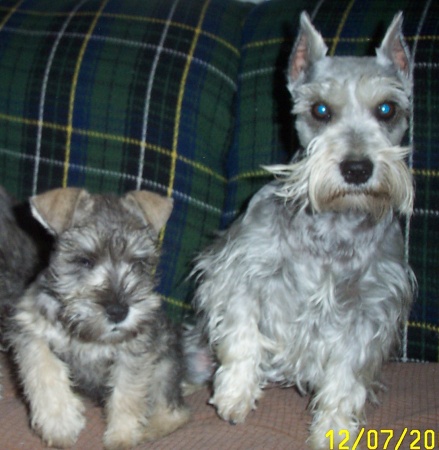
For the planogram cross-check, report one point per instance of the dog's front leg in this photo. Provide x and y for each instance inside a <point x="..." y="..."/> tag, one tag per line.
<point x="138" y="408"/>
<point x="237" y="382"/>
<point x="56" y="412"/>
<point x="338" y="408"/>
<point x="126" y="408"/>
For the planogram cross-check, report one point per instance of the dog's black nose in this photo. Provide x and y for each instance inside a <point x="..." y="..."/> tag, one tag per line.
<point x="116" y="312"/>
<point x="356" y="171"/>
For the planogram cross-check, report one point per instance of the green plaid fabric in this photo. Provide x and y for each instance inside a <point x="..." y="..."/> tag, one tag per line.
<point x="120" y="95"/>
<point x="188" y="98"/>
<point x="265" y="134"/>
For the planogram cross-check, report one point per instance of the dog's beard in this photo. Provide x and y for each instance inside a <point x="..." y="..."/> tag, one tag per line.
<point x="105" y="291"/>
<point x="84" y="315"/>
<point x="315" y="181"/>
<point x="89" y="323"/>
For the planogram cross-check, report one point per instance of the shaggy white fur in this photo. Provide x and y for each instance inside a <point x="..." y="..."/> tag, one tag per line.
<point x="310" y="286"/>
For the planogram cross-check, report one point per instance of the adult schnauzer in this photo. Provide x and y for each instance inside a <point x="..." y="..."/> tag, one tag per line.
<point x="310" y="285"/>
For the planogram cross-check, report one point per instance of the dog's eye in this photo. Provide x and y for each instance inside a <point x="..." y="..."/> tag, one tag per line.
<point x="85" y="262"/>
<point x="321" y="112"/>
<point x="385" y="111"/>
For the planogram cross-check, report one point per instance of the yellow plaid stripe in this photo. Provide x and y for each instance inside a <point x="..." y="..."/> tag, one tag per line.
<point x="425" y="173"/>
<point x="180" y="97"/>
<point x="10" y="12"/>
<point x="178" y="303"/>
<point x="333" y="40"/>
<point x="340" y="27"/>
<point x="127" y="17"/>
<point x="73" y="92"/>
<point x="113" y="137"/>
<point x="181" y="91"/>
<point x="424" y="326"/>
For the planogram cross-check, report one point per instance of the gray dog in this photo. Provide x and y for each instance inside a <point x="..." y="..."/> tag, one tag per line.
<point x="92" y="322"/>
<point x="310" y="286"/>
<point x="18" y="259"/>
<point x="18" y="254"/>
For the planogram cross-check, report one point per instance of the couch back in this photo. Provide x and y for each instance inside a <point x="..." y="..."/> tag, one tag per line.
<point x="188" y="98"/>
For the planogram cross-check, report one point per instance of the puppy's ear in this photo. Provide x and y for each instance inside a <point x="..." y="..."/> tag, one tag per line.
<point x="55" y="209"/>
<point x="309" y="48"/>
<point x="393" y="49"/>
<point x="154" y="208"/>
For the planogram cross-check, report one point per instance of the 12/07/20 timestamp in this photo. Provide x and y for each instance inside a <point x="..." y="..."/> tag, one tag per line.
<point x="383" y="439"/>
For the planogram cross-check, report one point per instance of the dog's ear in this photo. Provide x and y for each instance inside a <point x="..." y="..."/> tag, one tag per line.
<point x="393" y="49"/>
<point x="309" y="48"/>
<point x="154" y="208"/>
<point x="55" y="209"/>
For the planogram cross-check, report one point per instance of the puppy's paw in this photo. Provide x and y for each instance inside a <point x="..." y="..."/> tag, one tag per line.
<point x="124" y="433"/>
<point x="131" y="430"/>
<point x="60" y="427"/>
<point x="165" y="421"/>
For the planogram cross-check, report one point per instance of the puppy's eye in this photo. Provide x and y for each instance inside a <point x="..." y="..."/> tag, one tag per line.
<point x="385" y="111"/>
<point x="85" y="262"/>
<point x="321" y="112"/>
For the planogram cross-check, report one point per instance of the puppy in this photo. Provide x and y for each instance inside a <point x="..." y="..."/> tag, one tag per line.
<point x="92" y="323"/>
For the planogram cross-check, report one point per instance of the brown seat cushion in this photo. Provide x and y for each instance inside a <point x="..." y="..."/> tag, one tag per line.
<point x="280" y="422"/>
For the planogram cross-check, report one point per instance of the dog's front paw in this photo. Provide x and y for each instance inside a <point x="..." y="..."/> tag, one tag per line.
<point x="233" y="408"/>
<point x="233" y="397"/>
<point x="59" y="427"/>
<point x="333" y="432"/>
<point x="235" y="413"/>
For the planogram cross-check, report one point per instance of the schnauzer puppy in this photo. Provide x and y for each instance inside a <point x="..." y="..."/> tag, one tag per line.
<point x="310" y="285"/>
<point x="92" y="322"/>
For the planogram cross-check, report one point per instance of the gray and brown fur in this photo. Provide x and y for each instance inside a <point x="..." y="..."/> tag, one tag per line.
<point x="92" y="322"/>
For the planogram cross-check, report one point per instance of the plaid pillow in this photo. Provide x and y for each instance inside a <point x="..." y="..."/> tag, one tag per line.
<point x="120" y="95"/>
<point x="264" y="129"/>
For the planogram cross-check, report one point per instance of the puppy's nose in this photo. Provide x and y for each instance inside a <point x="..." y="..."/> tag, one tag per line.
<point x="116" y="312"/>
<point x="356" y="171"/>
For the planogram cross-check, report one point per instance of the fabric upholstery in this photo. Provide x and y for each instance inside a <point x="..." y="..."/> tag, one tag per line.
<point x="116" y="96"/>
<point x="281" y="421"/>
<point x="188" y="98"/>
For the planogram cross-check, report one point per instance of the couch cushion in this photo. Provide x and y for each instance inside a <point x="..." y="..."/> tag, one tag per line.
<point x="280" y="422"/>
<point x="265" y="131"/>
